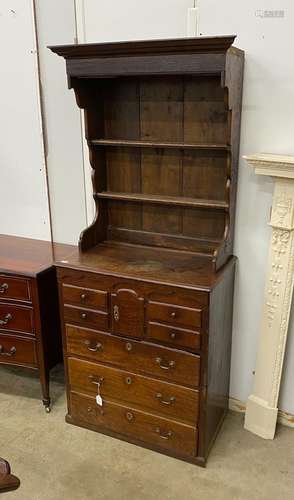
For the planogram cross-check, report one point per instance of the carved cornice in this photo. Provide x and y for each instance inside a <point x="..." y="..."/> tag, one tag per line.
<point x="272" y="165"/>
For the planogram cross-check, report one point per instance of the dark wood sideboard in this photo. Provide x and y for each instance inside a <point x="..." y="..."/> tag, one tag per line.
<point x="29" y="314"/>
<point x="147" y="302"/>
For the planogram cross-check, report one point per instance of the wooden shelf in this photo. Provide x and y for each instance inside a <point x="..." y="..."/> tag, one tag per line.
<point x="163" y="200"/>
<point x="156" y="144"/>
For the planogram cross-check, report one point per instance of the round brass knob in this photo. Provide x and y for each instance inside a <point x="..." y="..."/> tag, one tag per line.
<point x="83" y="296"/>
<point x="84" y="315"/>
<point x="129" y="416"/>
<point x="172" y="335"/>
<point x="173" y="314"/>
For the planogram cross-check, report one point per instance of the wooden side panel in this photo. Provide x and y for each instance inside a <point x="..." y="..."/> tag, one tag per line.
<point x="219" y="355"/>
<point x="206" y="224"/>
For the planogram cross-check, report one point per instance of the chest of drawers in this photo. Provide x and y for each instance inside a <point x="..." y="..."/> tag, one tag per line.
<point x="29" y="314"/>
<point x="157" y="354"/>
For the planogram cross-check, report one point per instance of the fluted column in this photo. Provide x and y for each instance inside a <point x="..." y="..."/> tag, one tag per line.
<point x="261" y="411"/>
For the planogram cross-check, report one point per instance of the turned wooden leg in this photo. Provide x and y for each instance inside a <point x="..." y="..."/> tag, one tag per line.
<point x="8" y="482"/>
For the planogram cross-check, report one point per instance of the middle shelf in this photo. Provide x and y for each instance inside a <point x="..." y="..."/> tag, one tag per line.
<point x="163" y="200"/>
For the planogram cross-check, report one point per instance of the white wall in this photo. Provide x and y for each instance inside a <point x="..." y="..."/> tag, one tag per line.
<point x="23" y="199"/>
<point x="56" y="25"/>
<point x="267" y="126"/>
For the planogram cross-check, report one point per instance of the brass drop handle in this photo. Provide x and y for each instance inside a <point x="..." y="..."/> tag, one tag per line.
<point x="169" y="401"/>
<point x="163" y="435"/>
<point x="96" y="380"/>
<point x="116" y="313"/>
<point x="93" y="347"/>
<point x="10" y="353"/>
<point x="3" y="287"/>
<point x="7" y="318"/>
<point x="165" y="366"/>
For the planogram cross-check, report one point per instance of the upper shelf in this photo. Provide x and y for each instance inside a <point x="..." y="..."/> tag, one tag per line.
<point x="156" y="144"/>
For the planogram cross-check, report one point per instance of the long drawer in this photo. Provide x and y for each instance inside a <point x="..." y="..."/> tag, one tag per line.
<point x="162" y="398"/>
<point x="127" y="421"/>
<point x="16" y="318"/>
<point x="17" y="350"/>
<point x="157" y="361"/>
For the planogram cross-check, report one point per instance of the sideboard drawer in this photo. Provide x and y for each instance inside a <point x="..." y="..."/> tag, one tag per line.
<point x="170" y="364"/>
<point x="178" y="337"/>
<point x="15" y="350"/>
<point x="16" y="318"/>
<point x="84" y="297"/>
<point x="166" y="434"/>
<point x="162" y="398"/>
<point x="173" y="314"/>
<point x="14" y="288"/>
<point x="87" y="317"/>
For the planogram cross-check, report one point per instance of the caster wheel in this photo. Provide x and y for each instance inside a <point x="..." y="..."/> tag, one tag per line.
<point x="47" y="409"/>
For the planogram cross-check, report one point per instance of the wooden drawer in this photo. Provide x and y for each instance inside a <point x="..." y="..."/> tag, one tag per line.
<point x="16" y="318"/>
<point x="15" y="350"/>
<point x="88" y="317"/>
<point x="142" y="357"/>
<point x="14" y="288"/>
<point x="125" y="420"/>
<point x="145" y="393"/>
<point x="173" y="314"/>
<point x="175" y="336"/>
<point x="85" y="297"/>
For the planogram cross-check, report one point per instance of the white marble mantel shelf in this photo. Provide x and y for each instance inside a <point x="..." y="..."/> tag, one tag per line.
<point x="261" y="411"/>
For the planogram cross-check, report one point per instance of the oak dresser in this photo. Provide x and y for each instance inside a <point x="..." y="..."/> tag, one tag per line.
<point x="147" y="301"/>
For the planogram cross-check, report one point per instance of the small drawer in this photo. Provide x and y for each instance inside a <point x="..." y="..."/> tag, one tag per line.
<point x="14" y="288"/>
<point x="147" y="394"/>
<point x="175" y="336"/>
<point x="96" y="299"/>
<point x="173" y="314"/>
<point x="16" y="318"/>
<point x="142" y="357"/>
<point x="88" y="317"/>
<point x="17" y="351"/>
<point x="125" y="420"/>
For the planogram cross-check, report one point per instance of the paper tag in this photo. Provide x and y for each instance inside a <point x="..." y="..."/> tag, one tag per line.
<point x="99" y="400"/>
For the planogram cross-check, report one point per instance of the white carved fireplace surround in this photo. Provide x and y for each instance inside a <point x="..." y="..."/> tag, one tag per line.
<point x="262" y="411"/>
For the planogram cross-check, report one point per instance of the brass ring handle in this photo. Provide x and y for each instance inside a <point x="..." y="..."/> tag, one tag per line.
<point x="6" y="319"/>
<point x="129" y="346"/>
<point x="168" y="401"/>
<point x="3" y="287"/>
<point x="92" y="347"/>
<point x="10" y="353"/>
<point x="165" y="366"/>
<point x="163" y="435"/>
<point x="129" y="416"/>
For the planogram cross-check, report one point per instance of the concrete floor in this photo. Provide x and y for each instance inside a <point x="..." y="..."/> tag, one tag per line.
<point x="57" y="461"/>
